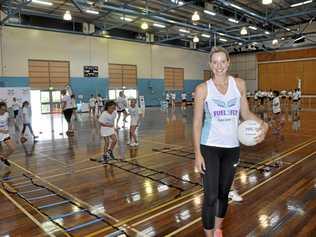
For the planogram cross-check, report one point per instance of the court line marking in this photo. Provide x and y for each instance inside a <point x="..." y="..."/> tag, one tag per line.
<point x="286" y="152"/>
<point x="25" y="212"/>
<point x="75" y="199"/>
<point x="247" y="192"/>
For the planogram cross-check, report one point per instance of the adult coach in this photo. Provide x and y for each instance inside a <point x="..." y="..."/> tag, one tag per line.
<point x="222" y="99"/>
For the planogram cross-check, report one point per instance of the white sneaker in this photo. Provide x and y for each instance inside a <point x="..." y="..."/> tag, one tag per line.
<point x="132" y="144"/>
<point x="136" y="144"/>
<point x="233" y="195"/>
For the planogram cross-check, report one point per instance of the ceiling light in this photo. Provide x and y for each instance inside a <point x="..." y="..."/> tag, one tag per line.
<point x="180" y="3"/>
<point x="288" y="29"/>
<point x="240" y="43"/>
<point x="301" y="3"/>
<point x="159" y="25"/>
<point x="144" y="26"/>
<point x="209" y="12"/>
<point x="205" y="35"/>
<point x="243" y="31"/>
<point x="275" y="42"/>
<point x="126" y="19"/>
<point x="266" y="2"/>
<point x="42" y="2"/>
<point x="195" y="17"/>
<point x="236" y="6"/>
<point x="196" y="39"/>
<point x="267" y="32"/>
<point x="282" y="38"/>
<point x="253" y="27"/>
<point x="67" y="16"/>
<point x="223" y="40"/>
<point x="92" y="12"/>
<point x="184" y="31"/>
<point x="233" y="20"/>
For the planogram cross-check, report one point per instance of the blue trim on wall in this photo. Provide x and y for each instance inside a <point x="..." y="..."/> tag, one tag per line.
<point x="189" y="87"/>
<point x="89" y="85"/>
<point x="14" y="81"/>
<point x="152" y="89"/>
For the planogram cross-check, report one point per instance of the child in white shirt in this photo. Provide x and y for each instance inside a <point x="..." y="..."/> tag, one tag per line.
<point x="107" y="130"/>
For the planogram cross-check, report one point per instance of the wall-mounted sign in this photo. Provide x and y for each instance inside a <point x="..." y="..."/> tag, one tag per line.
<point x="90" y="71"/>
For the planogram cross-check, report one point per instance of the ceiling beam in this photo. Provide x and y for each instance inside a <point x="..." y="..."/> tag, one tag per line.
<point x="15" y="11"/>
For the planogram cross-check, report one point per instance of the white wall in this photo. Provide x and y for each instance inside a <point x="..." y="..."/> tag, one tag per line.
<point x="19" y="45"/>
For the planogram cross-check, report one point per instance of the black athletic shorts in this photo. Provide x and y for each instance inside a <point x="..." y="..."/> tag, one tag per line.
<point x="68" y="114"/>
<point x="15" y="112"/>
<point x="184" y="101"/>
<point x="121" y="111"/>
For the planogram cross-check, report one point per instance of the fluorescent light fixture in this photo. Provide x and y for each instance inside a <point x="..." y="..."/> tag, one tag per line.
<point x="144" y="26"/>
<point x="267" y="32"/>
<point x="196" y="39"/>
<point x="244" y="31"/>
<point x="205" y="35"/>
<point x="288" y="29"/>
<point x="184" y="31"/>
<point x="223" y="40"/>
<point x="253" y="27"/>
<point x="209" y="12"/>
<point x="126" y="19"/>
<point x="180" y="3"/>
<point x="67" y="16"/>
<point x="236" y="6"/>
<point x="222" y="34"/>
<point x="299" y="38"/>
<point x="233" y="20"/>
<point x="42" y="2"/>
<point x="301" y="3"/>
<point x="266" y="2"/>
<point x="171" y="21"/>
<point x="282" y="38"/>
<point x="159" y="25"/>
<point x="195" y="16"/>
<point x="240" y="43"/>
<point x="92" y="12"/>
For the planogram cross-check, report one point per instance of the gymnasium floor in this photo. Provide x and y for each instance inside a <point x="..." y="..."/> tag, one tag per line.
<point x="153" y="190"/>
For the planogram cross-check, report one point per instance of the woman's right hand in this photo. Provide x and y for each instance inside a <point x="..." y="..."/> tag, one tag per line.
<point x="199" y="163"/>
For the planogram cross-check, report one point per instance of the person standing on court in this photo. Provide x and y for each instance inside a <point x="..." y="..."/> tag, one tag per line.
<point x="221" y="100"/>
<point x="67" y="108"/>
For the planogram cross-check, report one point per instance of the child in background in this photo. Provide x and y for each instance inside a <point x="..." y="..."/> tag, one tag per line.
<point x="15" y="107"/>
<point x="92" y="102"/>
<point x="4" y="134"/>
<point x="134" y="112"/>
<point x="26" y="118"/>
<point x="106" y="120"/>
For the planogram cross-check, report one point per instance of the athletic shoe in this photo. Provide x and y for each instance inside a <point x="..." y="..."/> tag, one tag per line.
<point x="5" y="162"/>
<point x="218" y="233"/>
<point x="233" y="195"/>
<point x="105" y="157"/>
<point x="136" y="144"/>
<point x="111" y="155"/>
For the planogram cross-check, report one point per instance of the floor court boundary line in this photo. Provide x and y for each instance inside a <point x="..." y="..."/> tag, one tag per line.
<point x="25" y="212"/>
<point x="75" y="199"/>
<point x="247" y="192"/>
<point x="278" y="156"/>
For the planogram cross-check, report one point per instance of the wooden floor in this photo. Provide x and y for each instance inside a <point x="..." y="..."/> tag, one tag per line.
<point x="154" y="190"/>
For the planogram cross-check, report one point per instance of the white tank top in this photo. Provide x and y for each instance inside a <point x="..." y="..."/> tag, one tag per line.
<point x="221" y="118"/>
